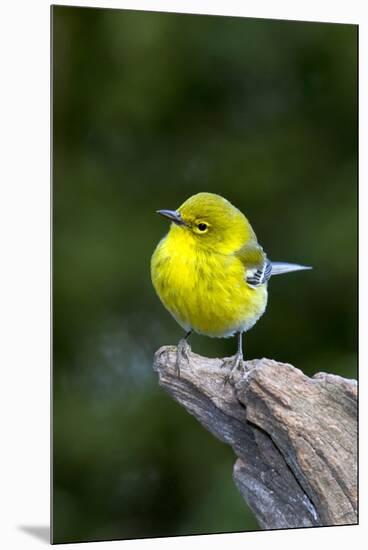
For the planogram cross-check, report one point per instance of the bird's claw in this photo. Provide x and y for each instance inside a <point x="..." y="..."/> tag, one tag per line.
<point x="235" y="363"/>
<point x="182" y="354"/>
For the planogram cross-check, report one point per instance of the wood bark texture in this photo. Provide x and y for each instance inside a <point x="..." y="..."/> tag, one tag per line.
<point x="294" y="437"/>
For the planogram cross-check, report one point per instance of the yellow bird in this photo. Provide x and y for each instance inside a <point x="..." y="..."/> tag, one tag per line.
<point x="210" y="272"/>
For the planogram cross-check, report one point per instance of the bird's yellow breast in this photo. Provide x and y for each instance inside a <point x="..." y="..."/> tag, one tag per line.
<point x="204" y="290"/>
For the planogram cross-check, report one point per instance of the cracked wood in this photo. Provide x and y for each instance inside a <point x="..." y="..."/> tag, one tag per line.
<point x="294" y="437"/>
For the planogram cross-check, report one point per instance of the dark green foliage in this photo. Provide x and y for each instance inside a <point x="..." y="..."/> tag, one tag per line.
<point x="149" y="109"/>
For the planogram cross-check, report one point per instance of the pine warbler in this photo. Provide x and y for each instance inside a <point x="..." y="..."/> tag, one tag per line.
<point x="211" y="273"/>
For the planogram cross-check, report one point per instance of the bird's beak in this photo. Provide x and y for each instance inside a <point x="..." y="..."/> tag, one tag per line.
<point x="172" y="215"/>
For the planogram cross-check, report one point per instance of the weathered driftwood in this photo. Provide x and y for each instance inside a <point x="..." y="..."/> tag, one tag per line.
<point x="295" y="437"/>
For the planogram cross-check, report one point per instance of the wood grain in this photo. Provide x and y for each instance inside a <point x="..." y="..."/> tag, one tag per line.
<point x="294" y="437"/>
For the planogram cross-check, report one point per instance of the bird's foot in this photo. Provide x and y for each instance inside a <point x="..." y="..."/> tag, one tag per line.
<point x="182" y="355"/>
<point x="235" y="364"/>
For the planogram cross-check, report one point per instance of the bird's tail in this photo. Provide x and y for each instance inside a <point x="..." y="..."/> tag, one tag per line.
<point x="278" y="268"/>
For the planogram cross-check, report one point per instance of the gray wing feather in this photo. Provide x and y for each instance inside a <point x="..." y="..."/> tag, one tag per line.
<point x="279" y="268"/>
<point x="259" y="276"/>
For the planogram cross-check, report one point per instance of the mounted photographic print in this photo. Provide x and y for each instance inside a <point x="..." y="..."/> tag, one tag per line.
<point x="204" y="274"/>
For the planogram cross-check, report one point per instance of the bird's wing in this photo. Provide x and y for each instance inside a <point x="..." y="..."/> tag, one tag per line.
<point x="257" y="267"/>
<point x="260" y="276"/>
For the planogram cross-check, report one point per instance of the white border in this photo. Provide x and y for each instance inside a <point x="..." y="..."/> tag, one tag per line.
<point x="24" y="249"/>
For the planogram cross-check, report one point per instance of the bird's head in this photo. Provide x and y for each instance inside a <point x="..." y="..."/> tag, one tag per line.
<point x="210" y="221"/>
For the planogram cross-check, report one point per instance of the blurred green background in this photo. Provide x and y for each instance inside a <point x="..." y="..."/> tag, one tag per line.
<point x="150" y="108"/>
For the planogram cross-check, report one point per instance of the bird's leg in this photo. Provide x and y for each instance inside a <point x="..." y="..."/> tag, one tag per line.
<point x="183" y="350"/>
<point x="236" y="361"/>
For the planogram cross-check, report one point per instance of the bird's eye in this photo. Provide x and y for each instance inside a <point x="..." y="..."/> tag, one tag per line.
<point x="202" y="226"/>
